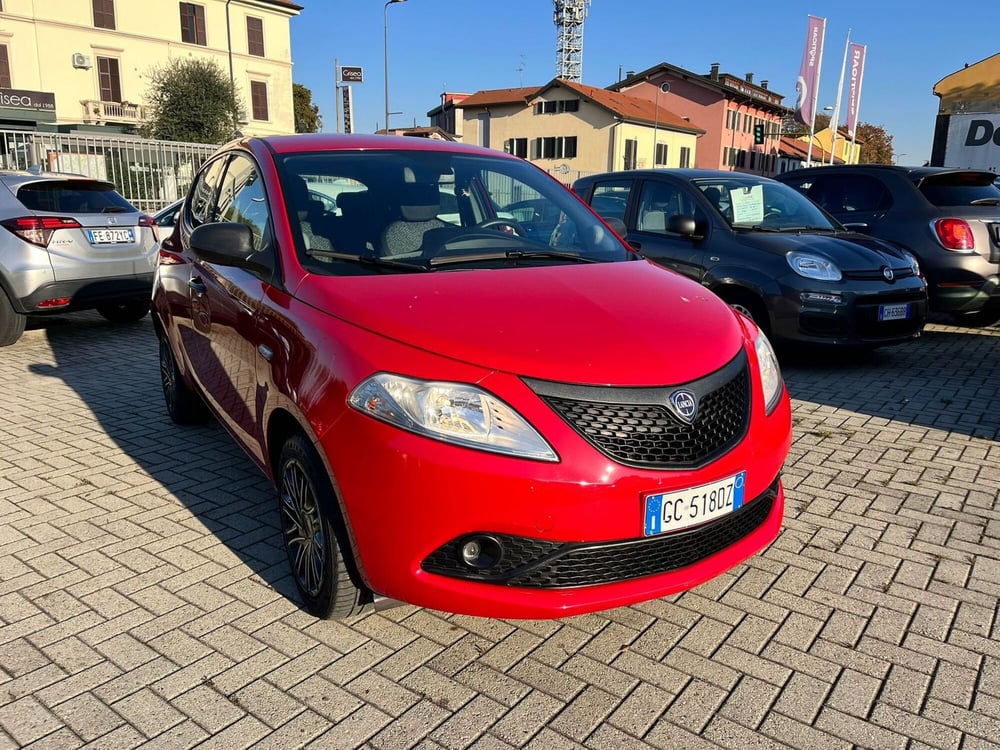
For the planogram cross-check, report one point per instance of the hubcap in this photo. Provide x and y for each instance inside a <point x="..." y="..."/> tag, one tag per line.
<point x="303" y="528"/>
<point x="743" y="309"/>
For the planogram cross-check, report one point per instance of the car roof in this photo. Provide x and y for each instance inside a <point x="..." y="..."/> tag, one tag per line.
<point x="915" y="174"/>
<point x="14" y="179"/>
<point x="306" y="142"/>
<point x="673" y="172"/>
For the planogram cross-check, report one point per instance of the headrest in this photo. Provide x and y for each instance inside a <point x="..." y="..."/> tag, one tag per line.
<point x="419" y="201"/>
<point x="352" y="203"/>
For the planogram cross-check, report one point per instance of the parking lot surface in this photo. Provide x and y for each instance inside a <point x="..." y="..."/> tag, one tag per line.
<point x="145" y="599"/>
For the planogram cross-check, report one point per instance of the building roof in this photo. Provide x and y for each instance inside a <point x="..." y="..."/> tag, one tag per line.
<point x="724" y="83"/>
<point x="797" y="149"/>
<point x="287" y="4"/>
<point x="628" y="108"/>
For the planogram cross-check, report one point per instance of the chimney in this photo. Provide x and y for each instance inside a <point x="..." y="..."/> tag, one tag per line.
<point x="629" y="73"/>
<point x="749" y="77"/>
<point x="714" y="75"/>
<point x="763" y="84"/>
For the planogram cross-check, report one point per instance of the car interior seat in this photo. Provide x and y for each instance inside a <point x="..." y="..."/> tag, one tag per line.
<point x="419" y="205"/>
<point x="715" y="196"/>
<point x="355" y="227"/>
<point x="314" y="221"/>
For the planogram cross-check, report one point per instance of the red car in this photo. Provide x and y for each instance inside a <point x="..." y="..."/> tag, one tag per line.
<point x="460" y="410"/>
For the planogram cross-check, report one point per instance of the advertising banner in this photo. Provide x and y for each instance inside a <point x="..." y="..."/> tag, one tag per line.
<point x="807" y="84"/>
<point x="856" y="56"/>
<point x="974" y="142"/>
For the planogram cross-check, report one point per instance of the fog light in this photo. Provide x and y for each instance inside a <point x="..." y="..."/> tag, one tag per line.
<point x="481" y="551"/>
<point x="833" y="299"/>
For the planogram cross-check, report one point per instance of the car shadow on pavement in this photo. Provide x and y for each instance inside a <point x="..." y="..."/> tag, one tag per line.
<point x="948" y="379"/>
<point x="114" y="371"/>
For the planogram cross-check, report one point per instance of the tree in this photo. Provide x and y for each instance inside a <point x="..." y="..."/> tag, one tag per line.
<point x="191" y="100"/>
<point x="876" y="144"/>
<point x="307" y="117"/>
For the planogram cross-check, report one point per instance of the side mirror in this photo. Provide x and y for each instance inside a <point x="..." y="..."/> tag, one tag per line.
<point x="856" y="226"/>
<point x="224" y="243"/>
<point x="684" y="225"/>
<point x="617" y="224"/>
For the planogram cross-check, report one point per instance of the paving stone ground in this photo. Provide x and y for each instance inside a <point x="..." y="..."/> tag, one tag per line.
<point x="145" y="599"/>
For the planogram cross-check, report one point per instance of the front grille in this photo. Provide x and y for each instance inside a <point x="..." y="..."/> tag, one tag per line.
<point x="540" y="564"/>
<point x="636" y="427"/>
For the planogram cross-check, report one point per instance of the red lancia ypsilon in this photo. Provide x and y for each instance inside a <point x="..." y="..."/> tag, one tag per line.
<point x="468" y="391"/>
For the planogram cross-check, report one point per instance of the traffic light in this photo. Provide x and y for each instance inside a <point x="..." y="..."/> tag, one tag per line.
<point x="758" y="133"/>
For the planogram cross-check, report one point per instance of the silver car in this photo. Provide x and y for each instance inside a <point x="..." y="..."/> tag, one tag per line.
<point x="71" y="243"/>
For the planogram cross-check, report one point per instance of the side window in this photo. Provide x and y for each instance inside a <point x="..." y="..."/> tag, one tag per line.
<point x="241" y="199"/>
<point x="610" y="199"/>
<point x="658" y="201"/>
<point x="845" y="194"/>
<point x="203" y="192"/>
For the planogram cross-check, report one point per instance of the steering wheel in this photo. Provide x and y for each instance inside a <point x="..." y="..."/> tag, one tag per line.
<point x="502" y="222"/>
<point x="773" y="213"/>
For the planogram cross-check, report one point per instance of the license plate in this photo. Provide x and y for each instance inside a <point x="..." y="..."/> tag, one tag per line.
<point x="894" y="312"/>
<point x="110" y="236"/>
<point x="671" y="511"/>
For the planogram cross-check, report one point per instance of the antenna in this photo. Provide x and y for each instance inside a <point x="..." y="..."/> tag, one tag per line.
<point x="520" y="70"/>
<point x="569" y="16"/>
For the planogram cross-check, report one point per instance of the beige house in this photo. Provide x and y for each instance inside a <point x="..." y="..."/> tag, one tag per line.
<point x="81" y="65"/>
<point x="567" y="127"/>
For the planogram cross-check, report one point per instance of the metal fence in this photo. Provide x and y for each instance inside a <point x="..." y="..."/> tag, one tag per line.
<point x="150" y="174"/>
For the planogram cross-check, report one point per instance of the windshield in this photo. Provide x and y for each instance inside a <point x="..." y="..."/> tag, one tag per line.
<point x="392" y="211"/>
<point x="749" y="203"/>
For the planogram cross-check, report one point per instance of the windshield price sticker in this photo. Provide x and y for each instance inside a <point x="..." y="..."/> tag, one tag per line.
<point x="110" y="236"/>
<point x="894" y="312"/>
<point x="748" y="204"/>
<point x="672" y="511"/>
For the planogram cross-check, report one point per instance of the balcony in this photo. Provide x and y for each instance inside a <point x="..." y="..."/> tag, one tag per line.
<point x="99" y="113"/>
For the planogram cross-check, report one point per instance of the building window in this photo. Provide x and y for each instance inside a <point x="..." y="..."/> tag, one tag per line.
<point x="4" y="68"/>
<point x="109" y="79"/>
<point x="517" y="147"/>
<point x="258" y="100"/>
<point x="661" y="155"/>
<point x="553" y="147"/>
<point x="255" y="36"/>
<point x="104" y="14"/>
<point x="685" y="157"/>
<point x="631" y="149"/>
<point x="557" y="105"/>
<point x="193" y="24"/>
<point x="484" y="129"/>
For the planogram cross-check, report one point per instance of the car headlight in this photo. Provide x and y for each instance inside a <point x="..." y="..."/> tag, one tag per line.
<point x="912" y="260"/>
<point x="456" y="413"/>
<point x="813" y="267"/>
<point x="770" y="373"/>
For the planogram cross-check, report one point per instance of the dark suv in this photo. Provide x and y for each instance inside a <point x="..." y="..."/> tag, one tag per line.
<point x="948" y="218"/>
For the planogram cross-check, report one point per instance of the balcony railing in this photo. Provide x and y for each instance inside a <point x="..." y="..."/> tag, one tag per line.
<point x="95" y="112"/>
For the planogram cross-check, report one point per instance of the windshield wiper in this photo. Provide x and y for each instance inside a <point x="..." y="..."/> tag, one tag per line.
<point x="803" y="228"/>
<point x="367" y="260"/>
<point x="985" y="202"/>
<point x="448" y="260"/>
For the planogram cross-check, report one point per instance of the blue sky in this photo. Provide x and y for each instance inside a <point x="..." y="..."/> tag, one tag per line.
<point x="468" y="45"/>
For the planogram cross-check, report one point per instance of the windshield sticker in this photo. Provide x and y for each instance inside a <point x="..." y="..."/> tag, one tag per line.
<point x="748" y="204"/>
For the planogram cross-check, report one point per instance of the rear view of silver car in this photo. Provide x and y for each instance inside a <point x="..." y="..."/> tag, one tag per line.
<point x="71" y="243"/>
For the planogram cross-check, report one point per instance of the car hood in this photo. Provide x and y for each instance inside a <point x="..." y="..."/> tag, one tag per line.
<point x="850" y="251"/>
<point x="624" y="323"/>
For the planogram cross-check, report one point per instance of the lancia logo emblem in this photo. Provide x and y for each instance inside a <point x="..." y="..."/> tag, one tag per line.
<point x="685" y="405"/>
<point x="887" y="272"/>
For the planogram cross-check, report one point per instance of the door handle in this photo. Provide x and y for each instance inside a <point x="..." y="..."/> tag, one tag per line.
<point x="197" y="286"/>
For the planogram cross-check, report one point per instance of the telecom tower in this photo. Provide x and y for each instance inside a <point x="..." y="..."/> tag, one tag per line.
<point x="568" y="17"/>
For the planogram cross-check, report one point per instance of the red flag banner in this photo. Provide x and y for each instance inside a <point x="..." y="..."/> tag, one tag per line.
<point x="856" y="56"/>
<point x="808" y="81"/>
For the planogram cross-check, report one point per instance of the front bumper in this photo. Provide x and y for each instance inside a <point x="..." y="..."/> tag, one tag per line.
<point x="848" y="314"/>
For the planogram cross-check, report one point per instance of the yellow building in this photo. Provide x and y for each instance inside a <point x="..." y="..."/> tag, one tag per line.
<point x="967" y="129"/>
<point x="82" y="64"/>
<point x="571" y="129"/>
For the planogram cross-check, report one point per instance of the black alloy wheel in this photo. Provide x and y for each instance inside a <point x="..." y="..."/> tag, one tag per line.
<point x="312" y="532"/>
<point x="183" y="405"/>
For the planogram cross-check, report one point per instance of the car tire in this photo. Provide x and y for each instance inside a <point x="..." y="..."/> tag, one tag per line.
<point x="314" y="534"/>
<point x="124" y="312"/>
<point x="184" y="406"/>
<point x="12" y="323"/>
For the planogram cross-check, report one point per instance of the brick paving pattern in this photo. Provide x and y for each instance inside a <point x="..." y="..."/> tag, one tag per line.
<point x="145" y="599"/>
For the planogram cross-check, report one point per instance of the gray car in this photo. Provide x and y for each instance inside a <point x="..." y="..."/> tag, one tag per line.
<point x="71" y="243"/>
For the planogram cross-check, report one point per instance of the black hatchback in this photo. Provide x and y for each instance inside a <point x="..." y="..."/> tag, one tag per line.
<point x="768" y="251"/>
<point x="948" y="218"/>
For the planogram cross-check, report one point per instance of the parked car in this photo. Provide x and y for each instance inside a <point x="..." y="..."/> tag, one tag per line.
<point x="459" y="416"/>
<point x="71" y="243"/>
<point x="769" y="252"/>
<point x="948" y="218"/>
<point x="166" y="217"/>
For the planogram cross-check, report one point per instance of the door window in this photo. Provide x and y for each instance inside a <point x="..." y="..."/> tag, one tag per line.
<point x="611" y="198"/>
<point x="658" y="201"/>
<point x="203" y="192"/>
<point x="241" y="198"/>
<point x="845" y="194"/>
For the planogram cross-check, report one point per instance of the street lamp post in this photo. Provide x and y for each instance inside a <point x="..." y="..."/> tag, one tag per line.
<point x="385" y="28"/>
<point x="665" y="88"/>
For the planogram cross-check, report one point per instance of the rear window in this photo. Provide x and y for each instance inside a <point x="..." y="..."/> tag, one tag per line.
<point x="72" y="197"/>
<point x="960" y="188"/>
